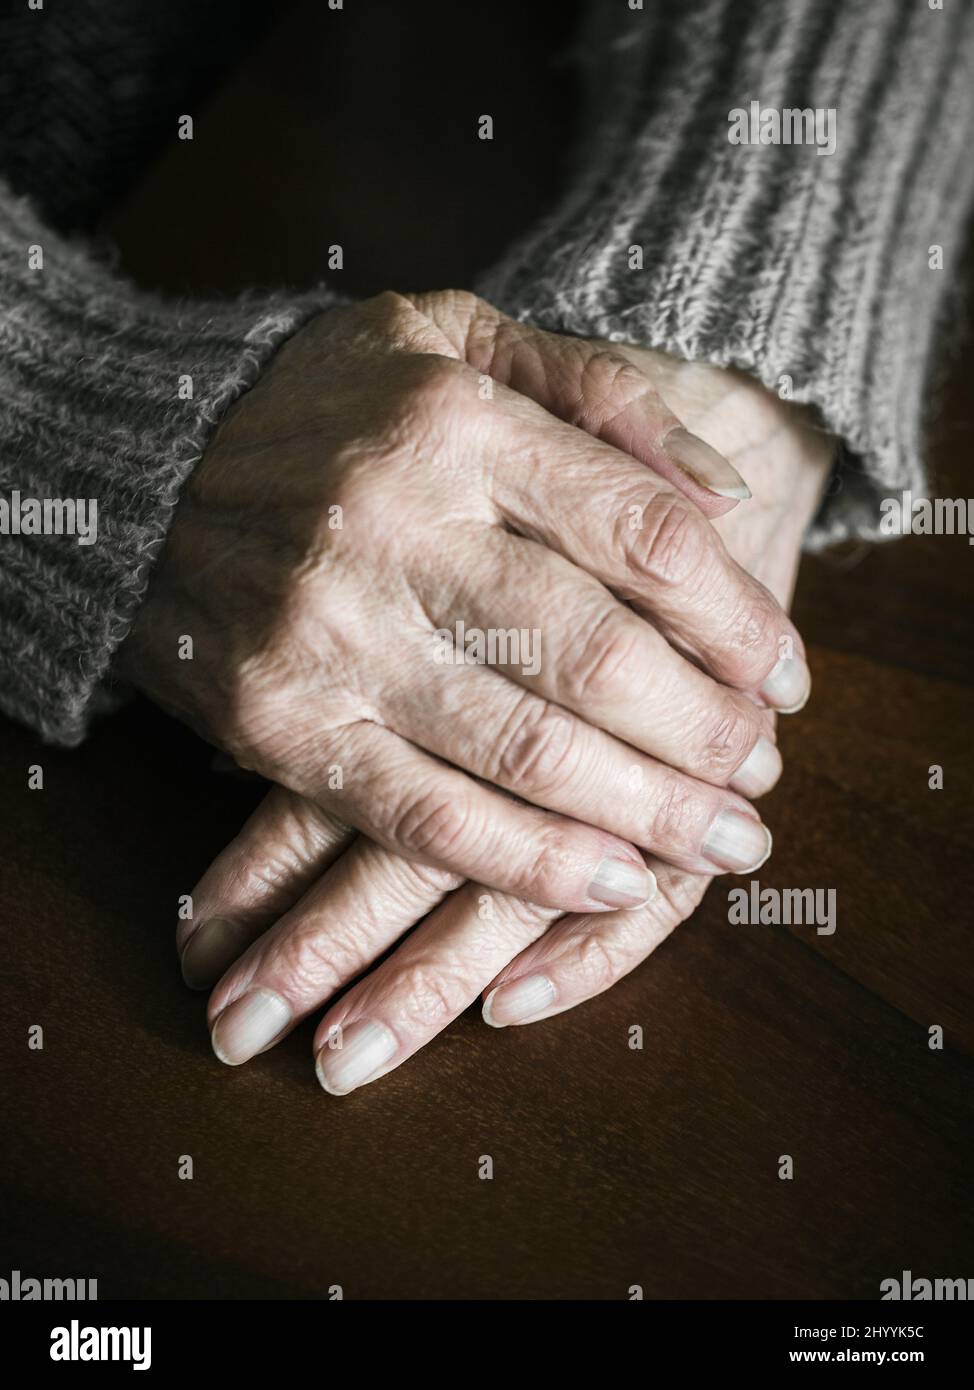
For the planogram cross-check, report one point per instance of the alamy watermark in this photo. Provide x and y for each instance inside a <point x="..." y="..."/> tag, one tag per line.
<point x="25" y="1289"/>
<point x="77" y="1343"/>
<point x="907" y="515"/>
<point x="914" y="1290"/>
<point x="788" y="125"/>
<point x="783" y="907"/>
<point x="492" y="646"/>
<point x="50" y="516"/>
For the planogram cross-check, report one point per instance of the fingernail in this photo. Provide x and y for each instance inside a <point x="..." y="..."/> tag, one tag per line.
<point x="704" y="465"/>
<point x="518" y="1001"/>
<point x="621" y="883"/>
<point x="737" y="843"/>
<point x="789" y="685"/>
<point x="248" y="1024"/>
<point x="759" y="771"/>
<point x="211" y="950"/>
<point x="365" y="1047"/>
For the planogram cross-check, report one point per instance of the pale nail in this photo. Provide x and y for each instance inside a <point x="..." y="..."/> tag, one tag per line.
<point x="621" y="883"/>
<point x="248" y="1025"/>
<point x="211" y="950"/>
<point x="704" y="465"/>
<point x="365" y="1047"/>
<point x="737" y="842"/>
<point x="789" y="685"/>
<point x="518" y="1001"/>
<point x="759" y="771"/>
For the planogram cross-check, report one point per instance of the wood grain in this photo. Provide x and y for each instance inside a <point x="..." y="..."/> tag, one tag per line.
<point x="612" y="1167"/>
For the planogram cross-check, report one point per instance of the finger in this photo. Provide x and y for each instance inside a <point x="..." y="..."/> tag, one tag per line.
<point x="555" y="630"/>
<point x="593" y="387"/>
<point x="341" y="925"/>
<point x="282" y="848"/>
<point x="581" y="956"/>
<point x="542" y="753"/>
<point x="432" y="977"/>
<point x="418" y="807"/>
<point x="654" y="549"/>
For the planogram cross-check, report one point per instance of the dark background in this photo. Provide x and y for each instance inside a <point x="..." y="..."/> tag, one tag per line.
<point x="612" y="1167"/>
<point x="359" y="127"/>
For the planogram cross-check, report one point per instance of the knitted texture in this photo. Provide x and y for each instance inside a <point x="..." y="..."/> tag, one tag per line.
<point x="811" y="272"/>
<point x="93" y="376"/>
<point x="773" y="259"/>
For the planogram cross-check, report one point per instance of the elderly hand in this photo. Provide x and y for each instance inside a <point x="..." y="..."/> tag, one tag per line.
<point x="296" y="908"/>
<point x="411" y="464"/>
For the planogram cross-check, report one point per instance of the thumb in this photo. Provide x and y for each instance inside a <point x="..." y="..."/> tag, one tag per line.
<point x="603" y="392"/>
<point x="591" y="385"/>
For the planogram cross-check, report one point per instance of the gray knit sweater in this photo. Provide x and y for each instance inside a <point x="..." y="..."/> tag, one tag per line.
<point x="810" y="270"/>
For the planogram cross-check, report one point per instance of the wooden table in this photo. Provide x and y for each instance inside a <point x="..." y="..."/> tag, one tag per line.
<point x="612" y="1167"/>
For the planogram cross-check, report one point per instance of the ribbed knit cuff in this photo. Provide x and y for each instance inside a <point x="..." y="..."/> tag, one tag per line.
<point x="107" y="395"/>
<point x="816" y="273"/>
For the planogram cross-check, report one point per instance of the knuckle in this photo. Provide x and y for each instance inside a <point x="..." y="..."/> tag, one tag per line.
<point x="673" y="815"/>
<point x="538" y="752"/>
<point x="672" y="543"/>
<point x="310" y="961"/>
<point x="432" y="879"/>
<point x="260" y="877"/>
<point x="679" y="897"/>
<point x="300" y="838"/>
<point x="752" y="640"/>
<point x="610" y="383"/>
<point x="726" y="744"/>
<point x="408" y="885"/>
<point x="604" y="669"/>
<point x="431" y="826"/>
<point x="529" y="920"/>
<point x="432" y="994"/>
<point x="550" y="872"/>
<point x="596" y="963"/>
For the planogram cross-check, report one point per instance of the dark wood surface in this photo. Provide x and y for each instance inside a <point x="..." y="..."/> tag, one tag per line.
<point x="612" y="1167"/>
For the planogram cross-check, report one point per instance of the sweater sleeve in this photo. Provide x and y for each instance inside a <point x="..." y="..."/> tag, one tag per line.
<point x="108" y="397"/>
<point x="823" y="274"/>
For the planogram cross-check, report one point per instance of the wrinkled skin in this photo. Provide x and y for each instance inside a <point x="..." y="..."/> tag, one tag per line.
<point x="548" y="501"/>
<point x="299" y="907"/>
